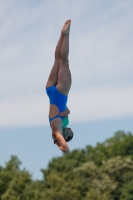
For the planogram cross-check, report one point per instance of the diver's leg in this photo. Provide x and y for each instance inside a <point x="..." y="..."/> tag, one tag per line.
<point x="53" y="77"/>
<point x="64" y="76"/>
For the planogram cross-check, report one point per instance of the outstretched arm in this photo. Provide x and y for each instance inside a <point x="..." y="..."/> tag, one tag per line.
<point x="65" y="113"/>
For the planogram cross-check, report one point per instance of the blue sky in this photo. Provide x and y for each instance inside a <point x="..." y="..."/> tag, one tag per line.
<point x="101" y="62"/>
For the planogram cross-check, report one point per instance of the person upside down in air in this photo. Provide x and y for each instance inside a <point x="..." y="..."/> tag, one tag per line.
<point x="57" y="89"/>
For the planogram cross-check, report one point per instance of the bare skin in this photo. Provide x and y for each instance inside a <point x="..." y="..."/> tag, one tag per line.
<point x="61" y="77"/>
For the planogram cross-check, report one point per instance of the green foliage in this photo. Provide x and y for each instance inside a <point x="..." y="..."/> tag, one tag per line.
<point x="94" y="173"/>
<point x="17" y="186"/>
<point x="127" y="190"/>
<point x="94" y="195"/>
<point x="119" y="145"/>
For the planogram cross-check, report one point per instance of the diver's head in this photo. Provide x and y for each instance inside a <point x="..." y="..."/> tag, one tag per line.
<point x="67" y="134"/>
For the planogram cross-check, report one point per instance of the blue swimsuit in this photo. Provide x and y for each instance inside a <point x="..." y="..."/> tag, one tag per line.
<point x="58" y="99"/>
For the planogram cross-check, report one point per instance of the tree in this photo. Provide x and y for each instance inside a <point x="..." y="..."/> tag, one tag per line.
<point x="101" y="172"/>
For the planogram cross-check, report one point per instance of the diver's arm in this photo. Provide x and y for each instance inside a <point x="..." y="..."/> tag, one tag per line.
<point x="60" y="142"/>
<point x="65" y="113"/>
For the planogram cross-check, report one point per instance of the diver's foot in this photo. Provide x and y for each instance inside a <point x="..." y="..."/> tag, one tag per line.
<point x="66" y="27"/>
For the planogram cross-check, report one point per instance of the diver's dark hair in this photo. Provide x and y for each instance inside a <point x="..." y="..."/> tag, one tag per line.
<point x="69" y="137"/>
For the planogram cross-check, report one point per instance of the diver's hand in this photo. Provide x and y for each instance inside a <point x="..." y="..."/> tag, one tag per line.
<point x="65" y="113"/>
<point x="64" y="151"/>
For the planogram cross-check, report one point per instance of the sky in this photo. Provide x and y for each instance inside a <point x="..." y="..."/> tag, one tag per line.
<point x="101" y="63"/>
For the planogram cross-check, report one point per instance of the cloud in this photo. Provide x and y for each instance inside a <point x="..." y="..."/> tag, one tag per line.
<point x="29" y="111"/>
<point x="101" y="46"/>
<point x="88" y="105"/>
<point x="101" y="103"/>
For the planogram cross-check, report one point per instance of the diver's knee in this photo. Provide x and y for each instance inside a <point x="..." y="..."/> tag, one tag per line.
<point x="64" y="61"/>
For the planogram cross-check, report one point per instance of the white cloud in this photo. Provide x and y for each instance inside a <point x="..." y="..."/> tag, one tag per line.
<point x="101" y="103"/>
<point x="25" y="112"/>
<point x="88" y="105"/>
<point x="101" y="49"/>
<point x="9" y="53"/>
